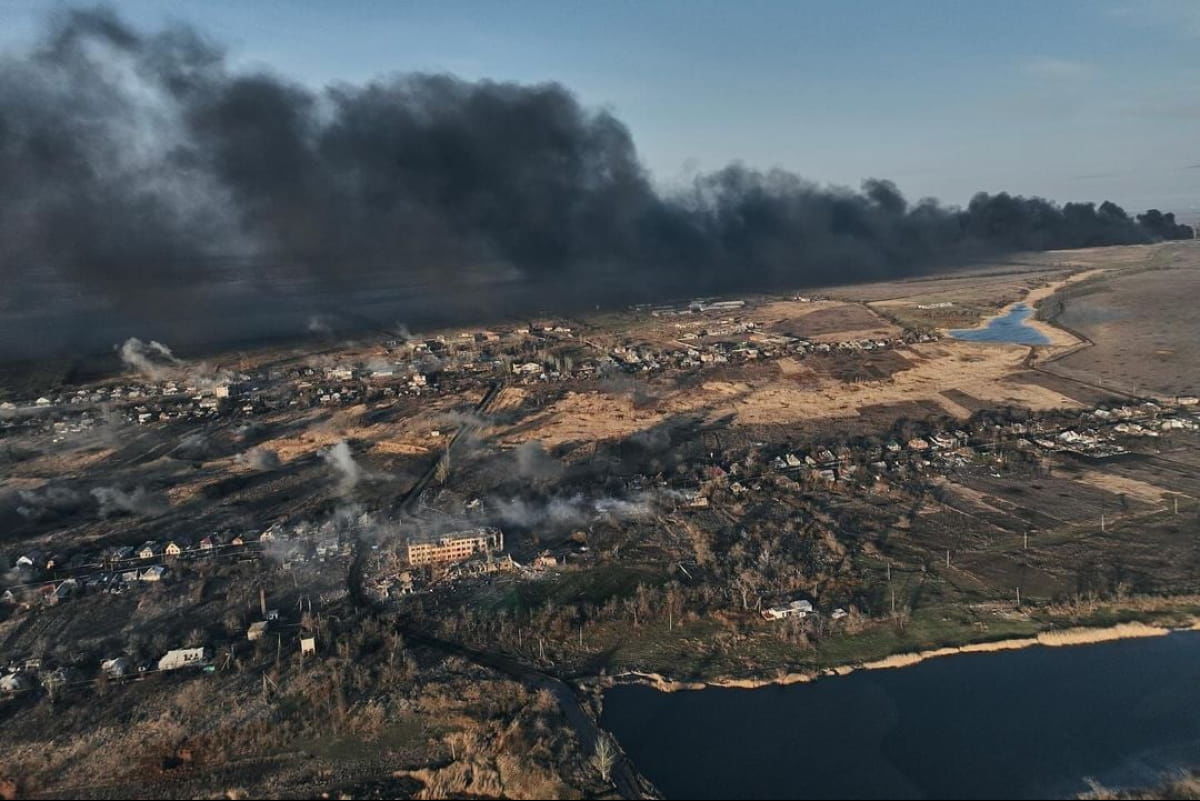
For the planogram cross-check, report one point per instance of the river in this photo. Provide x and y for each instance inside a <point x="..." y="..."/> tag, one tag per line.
<point x="1010" y="327"/>
<point x="1012" y="724"/>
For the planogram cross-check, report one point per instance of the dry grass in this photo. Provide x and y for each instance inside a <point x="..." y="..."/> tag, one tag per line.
<point x="1186" y="785"/>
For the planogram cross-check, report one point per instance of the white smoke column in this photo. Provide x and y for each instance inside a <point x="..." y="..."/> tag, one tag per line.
<point x="342" y="461"/>
<point x="152" y="359"/>
<point x="113" y="500"/>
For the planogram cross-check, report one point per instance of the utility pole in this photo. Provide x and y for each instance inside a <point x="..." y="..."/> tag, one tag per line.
<point x="947" y="558"/>
<point x="1102" y="522"/>
<point x="1018" y="596"/>
<point x="889" y="572"/>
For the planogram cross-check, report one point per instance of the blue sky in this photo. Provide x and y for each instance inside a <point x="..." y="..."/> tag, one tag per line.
<point x="1069" y="100"/>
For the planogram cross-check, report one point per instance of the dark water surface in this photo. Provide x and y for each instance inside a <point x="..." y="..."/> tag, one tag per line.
<point x="1010" y="724"/>
<point x="1009" y="328"/>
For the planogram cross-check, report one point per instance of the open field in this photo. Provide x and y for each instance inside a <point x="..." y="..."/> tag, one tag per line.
<point x="1143" y="327"/>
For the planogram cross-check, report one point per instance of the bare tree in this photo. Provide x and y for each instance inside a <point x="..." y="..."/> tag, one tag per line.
<point x="604" y="757"/>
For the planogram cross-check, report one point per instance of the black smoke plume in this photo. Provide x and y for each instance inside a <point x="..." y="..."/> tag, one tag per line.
<point x="1163" y="226"/>
<point x="149" y="188"/>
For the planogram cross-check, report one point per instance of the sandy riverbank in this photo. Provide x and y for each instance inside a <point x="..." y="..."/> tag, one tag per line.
<point x="1055" y="638"/>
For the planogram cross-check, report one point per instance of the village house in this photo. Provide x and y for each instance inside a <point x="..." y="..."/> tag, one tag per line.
<point x="59" y="677"/>
<point x="183" y="657"/>
<point x="153" y="573"/>
<point x="176" y="547"/>
<point x="122" y="553"/>
<point x="33" y="560"/>
<point x="63" y="591"/>
<point x="943" y="441"/>
<point x="149" y="550"/>
<point x="800" y="609"/>
<point x="116" y="668"/>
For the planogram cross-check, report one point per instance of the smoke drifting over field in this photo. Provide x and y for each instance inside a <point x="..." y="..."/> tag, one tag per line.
<point x="114" y="501"/>
<point x="148" y="179"/>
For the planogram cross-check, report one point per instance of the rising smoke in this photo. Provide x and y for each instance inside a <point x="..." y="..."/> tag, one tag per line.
<point x="341" y="461"/>
<point x="261" y="459"/>
<point x="533" y="463"/>
<point x="51" y="501"/>
<point x="152" y="359"/>
<point x="150" y="179"/>
<point x="116" y="501"/>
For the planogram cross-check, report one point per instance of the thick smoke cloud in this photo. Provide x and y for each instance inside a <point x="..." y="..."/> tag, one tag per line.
<point x="165" y="190"/>
<point x="1163" y="226"/>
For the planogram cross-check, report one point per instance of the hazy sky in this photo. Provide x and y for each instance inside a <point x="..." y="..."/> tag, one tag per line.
<point x="1066" y="99"/>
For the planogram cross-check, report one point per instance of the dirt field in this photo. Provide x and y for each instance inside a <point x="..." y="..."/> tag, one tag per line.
<point x="823" y="321"/>
<point x="797" y="392"/>
<point x="1143" y="325"/>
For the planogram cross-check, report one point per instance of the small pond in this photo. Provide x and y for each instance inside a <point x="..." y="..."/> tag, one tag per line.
<point x="1011" y="327"/>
